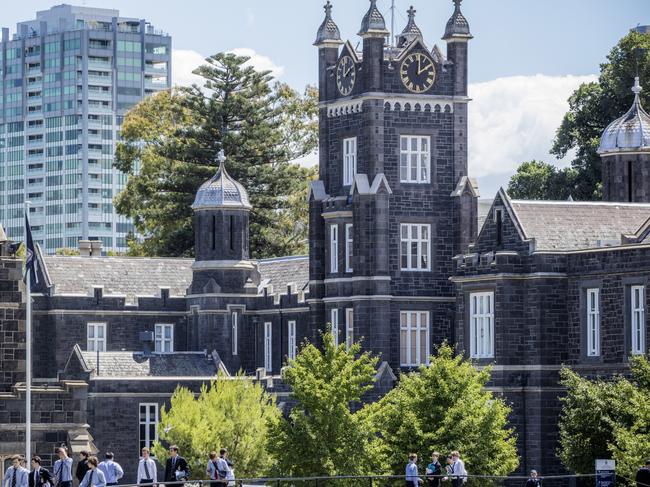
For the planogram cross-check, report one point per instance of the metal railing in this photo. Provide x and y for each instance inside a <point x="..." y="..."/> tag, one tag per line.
<point x="383" y="481"/>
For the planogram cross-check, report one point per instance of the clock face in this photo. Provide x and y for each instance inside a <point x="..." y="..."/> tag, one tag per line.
<point x="346" y="75"/>
<point x="418" y="72"/>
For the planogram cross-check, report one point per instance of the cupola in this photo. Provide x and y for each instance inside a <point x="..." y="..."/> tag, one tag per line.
<point x="373" y="23"/>
<point x="221" y="191"/>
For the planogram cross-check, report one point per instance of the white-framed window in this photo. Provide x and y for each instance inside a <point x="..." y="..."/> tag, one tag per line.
<point x="96" y="334"/>
<point x="593" y="322"/>
<point x="235" y="326"/>
<point x="349" y="160"/>
<point x="334" y="248"/>
<point x="415" y="250"/>
<point x="334" y="321"/>
<point x="291" y="339"/>
<point x="637" y="296"/>
<point x="164" y="338"/>
<point x="148" y="421"/>
<point x="349" y="327"/>
<point x="414" y="338"/>
<point x="349" y="241"/>
<point x="268" y="346"/>
<point x="415" y="159"/>
<point x="481" y="325"/>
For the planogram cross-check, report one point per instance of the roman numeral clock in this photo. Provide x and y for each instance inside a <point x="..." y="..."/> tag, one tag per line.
<point x="418" y="72"/>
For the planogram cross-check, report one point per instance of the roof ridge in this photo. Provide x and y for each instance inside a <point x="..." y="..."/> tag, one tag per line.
<point x="283" y="258"/>
<point x="581" y="203"/>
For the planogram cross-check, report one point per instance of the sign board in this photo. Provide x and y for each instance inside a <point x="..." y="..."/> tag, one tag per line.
<point x="605" y="473"/>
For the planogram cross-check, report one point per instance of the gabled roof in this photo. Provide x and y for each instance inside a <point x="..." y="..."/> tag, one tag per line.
<point x="574" y="225"/>
<point x="282" y="271"/>
<point x="361" y="185"/>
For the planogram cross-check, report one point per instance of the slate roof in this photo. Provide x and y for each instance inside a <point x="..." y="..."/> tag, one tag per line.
<point x="573" y="225"/>
<point x="135" y="364"/>
<point x="138" y="276"/>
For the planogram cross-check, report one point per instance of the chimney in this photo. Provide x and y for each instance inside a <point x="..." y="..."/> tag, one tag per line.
<point x="90" y="248"/>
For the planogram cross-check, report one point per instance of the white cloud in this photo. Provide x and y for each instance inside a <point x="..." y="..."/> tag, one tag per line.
<point x="259" y="62"/>
<point x="183" y="63"/>
<point x="514" y="119"/>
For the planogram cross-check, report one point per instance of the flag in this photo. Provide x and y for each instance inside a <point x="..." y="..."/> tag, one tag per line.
<point x="31" y="262"/>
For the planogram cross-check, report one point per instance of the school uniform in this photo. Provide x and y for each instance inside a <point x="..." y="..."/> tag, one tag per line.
<point x="212" y="471"/>
<point x="82" y="468"/>
<point x="147" y="471"/>
<point x="112" y="471"/>
<point x="173" y="465"/>
<point x="412" y="478"/>
<point x="63" y="472"/>
<point x="16" y="477"/>
<point x="93" y="478"/>
<point x="434" y="469"/>
<point x="458" y="473"/>
<point x="35" y="477"/>
<point x="643" y="476"/>
<point x="533" y="483"/>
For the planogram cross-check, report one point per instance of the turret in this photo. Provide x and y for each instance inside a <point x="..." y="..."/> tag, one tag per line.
<point x="373" y="32"/>
<point x="625" y="153"/>
<point x="221" y="221"/>
<point x="457" y="34"/>
<point x="328" y="40"/>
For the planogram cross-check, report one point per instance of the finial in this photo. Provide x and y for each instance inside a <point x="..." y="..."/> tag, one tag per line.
<point x="328" y="33"/>
<point x="636" y="89"/>
<point x="328" y="9"/>
<point x="411" y="13"/>
<point x="221" y="157"/>
<point x="457" y="4"/>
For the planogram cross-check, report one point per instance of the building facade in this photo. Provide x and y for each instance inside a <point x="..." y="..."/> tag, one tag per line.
<point x="68" y="78"/>
<point x="396" y="259"/>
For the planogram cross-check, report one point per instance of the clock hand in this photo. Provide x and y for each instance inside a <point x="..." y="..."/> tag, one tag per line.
<point x="422" y="70"/>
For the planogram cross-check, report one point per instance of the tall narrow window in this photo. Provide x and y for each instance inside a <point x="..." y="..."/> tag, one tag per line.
<point x="334" y="321"/>
<point x="96" y="334"/>
<point x="214" y="232"/>
<point x="334" y="248"/>
<point x="349" y="160"/>
<point x="498" y="221"/>
<point x="414" y="338"/>
<point x="148" y="425"/>
<point x="349" y="240"/>
<point x="232" y="232"/>
<point x="349" y="327"/>
<point x="415" y="159"/>
<point x="415" y="247"/>
<point x="291" y="339"/>
<point x="235" y="324"/>
<point x="164" y="338"/>
<point x="593" y="322"/>
<point x="268" y="347"/>
<point x="481" y="325"/>
<point x="630" y="181"/>
<point x="637" y="308"/>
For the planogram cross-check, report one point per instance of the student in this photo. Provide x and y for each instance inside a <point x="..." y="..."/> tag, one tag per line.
<point x="458" y="473"/>
<point x="94" y="477"/>
<point x="176" y="467"/>
<point x="533" y="481"/>
<point x="112" y="470"/>
<point x="16" y="475"/>
<point x="212" y="470"/>
<point x="643" y="475"/>
<point x="63" y="468"/>
<point x="82" y="465"/>
<point x="35" y="474"/>
<point x="434" y="471"/>
<point x="45" y="478"/>
<point x="224" y="467"/>
<point x="412" y="478"/>
<point x="147" y="470"/>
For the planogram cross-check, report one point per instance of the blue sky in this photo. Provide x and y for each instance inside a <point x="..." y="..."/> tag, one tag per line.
<point x="526" y="58"/>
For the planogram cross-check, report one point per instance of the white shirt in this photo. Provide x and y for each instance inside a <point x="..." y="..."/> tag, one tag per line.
<point x="112" y="471"/>
<point x="458" y="469"/>
<point x="151" y="467"/>
<point x="93" y="478"/>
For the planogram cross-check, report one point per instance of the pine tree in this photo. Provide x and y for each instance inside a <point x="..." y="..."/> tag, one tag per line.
<point x="170" y="143"/>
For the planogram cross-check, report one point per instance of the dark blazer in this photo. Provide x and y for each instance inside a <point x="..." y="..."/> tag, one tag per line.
<point x="82" y="468"/>
<point x="38" y="480"/>
<point x="643" y="476"/>
<point x="181" y="464"/>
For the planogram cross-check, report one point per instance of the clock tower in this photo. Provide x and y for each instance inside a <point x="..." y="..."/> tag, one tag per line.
<point x="393" y="203"/>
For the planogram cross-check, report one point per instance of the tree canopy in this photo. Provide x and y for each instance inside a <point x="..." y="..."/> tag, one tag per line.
<point x="169" y="146"/>
<point x="444" y="406"/>
<point x="592" y="106"/>
<point x="232" y="413"/>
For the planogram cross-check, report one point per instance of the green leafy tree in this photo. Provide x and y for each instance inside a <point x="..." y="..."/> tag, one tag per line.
<point x="592" y="106"/>
<point x="605" y="419"/>
<point x="539" y="180"/>
<point x="323" y="435"/>
<point x="231" y="412"/>
<point x="444" y="406"/>
<point x="170" y="143"/>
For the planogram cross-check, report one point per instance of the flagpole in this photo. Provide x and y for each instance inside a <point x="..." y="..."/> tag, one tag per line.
<point x="28" y="355"/>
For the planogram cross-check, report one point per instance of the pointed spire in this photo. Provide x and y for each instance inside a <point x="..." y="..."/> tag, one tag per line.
<point x="457" y="25"/>
<point x="328" y="32"/>
<point x="411" y="31"/>
<point x="373" y="23"/>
